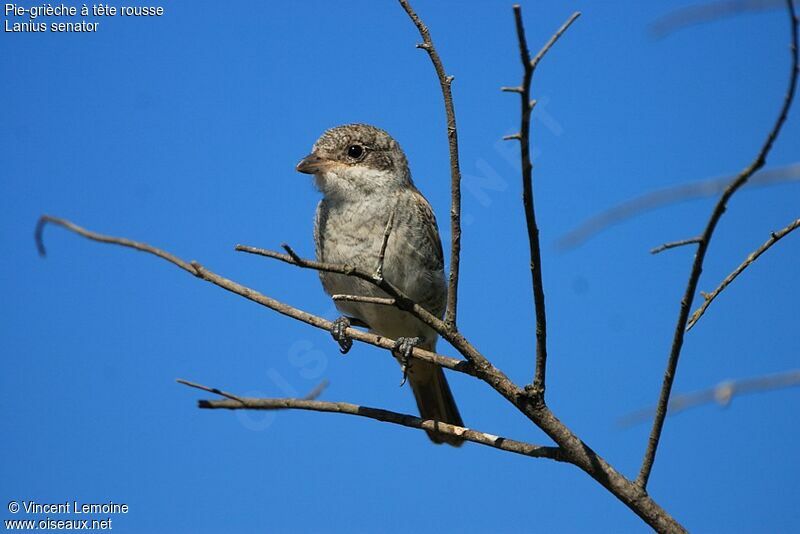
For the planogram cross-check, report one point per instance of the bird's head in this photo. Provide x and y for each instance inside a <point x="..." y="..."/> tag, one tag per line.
<point x="356" y="159"/>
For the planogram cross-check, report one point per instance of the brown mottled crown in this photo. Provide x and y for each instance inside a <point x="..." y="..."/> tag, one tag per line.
<point x="382" y="152"/>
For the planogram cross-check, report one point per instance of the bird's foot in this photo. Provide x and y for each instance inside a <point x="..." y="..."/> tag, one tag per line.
<point x="403" y="347"/>
<point x="339" y="333"/>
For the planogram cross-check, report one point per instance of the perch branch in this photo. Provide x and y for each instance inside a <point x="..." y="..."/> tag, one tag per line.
<point x="401" y="300"/>
<point x="247" y="403"/>
<point x="721" y="394"/>
<point x="702" y="247"/>
<point x="523" y="136"/>
<point x="482" y="367"/>
<point x="709" y="297"/>
<point x="445" y="82"/>
<point x="575" y="451"/>
<point x="284" y="309"/>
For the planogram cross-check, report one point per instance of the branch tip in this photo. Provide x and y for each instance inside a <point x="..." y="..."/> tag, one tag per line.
<point x="675" y="244"/>
<point x="38" y="235"/>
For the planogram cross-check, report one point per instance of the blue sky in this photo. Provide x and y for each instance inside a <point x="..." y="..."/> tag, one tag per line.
<point x="183" y="131"/>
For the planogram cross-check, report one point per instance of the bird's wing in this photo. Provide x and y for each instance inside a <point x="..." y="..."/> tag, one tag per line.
<point x="428" y="247"/>
<point x="430" y="230"/>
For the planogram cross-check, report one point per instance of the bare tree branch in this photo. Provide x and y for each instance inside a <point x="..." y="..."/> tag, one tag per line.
<point x="709" y="297"/>
<point x="401" y="300"/>
<point x="656" y="199"/>
<point x="721" y="394"/>
<point x="199" y="271"/>
<point x="574" y="450"/>
<point x="445" y="82"/>
<point x="702" y="247"/>
<point x="675" y="244"/>
<point x="523" y="136"/>
<point x="697" y="14"/>
<point x="480" y="364"/>
<point x="247" y="403"/>
<point x="528" y="401"/>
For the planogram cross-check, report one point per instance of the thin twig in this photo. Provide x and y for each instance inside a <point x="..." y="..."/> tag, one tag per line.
<point x="523" y="136"/>
<point x="216" y="391"/>
<point x="482" y="438"/>
<point x="549" y="44"/>
<point x="445" y="82"/>
<point x="650" y="201"/>
<point x="675" y="244"/>
<point x="387" y="231"/>
<point x="369" y="300"/>
<point x="709" y="297"/>
<point x="702" y="247"/>
<point x="317" y="391"/>
<point x="721" y="394"/>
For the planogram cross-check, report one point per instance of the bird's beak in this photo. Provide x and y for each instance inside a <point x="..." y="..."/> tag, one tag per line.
<point x="312" y="164"/>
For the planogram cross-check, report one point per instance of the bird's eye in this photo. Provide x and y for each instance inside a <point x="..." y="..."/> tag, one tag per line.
<point x="355" y="151"/>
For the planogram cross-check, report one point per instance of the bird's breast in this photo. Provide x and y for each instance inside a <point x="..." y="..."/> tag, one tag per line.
<point x="350" y="232"/>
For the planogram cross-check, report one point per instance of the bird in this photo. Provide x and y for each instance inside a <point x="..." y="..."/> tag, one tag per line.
<point x="369" y="202"/>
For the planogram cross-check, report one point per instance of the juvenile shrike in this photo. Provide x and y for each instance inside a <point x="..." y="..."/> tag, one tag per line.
<point x="364" y="179"/>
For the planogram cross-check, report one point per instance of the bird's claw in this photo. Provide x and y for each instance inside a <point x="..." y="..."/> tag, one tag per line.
<point x="403" y="347"/>
<point x="339" y="333"/>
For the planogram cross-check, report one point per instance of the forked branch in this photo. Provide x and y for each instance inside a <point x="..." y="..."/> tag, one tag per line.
<point x="702" y="247"/>
<point x="523" y="136"/>
<point x="529" y="401"/>
<point x="574" y="450"/>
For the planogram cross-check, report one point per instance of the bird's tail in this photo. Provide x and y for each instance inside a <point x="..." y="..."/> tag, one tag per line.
<point x="434" y="398"/>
